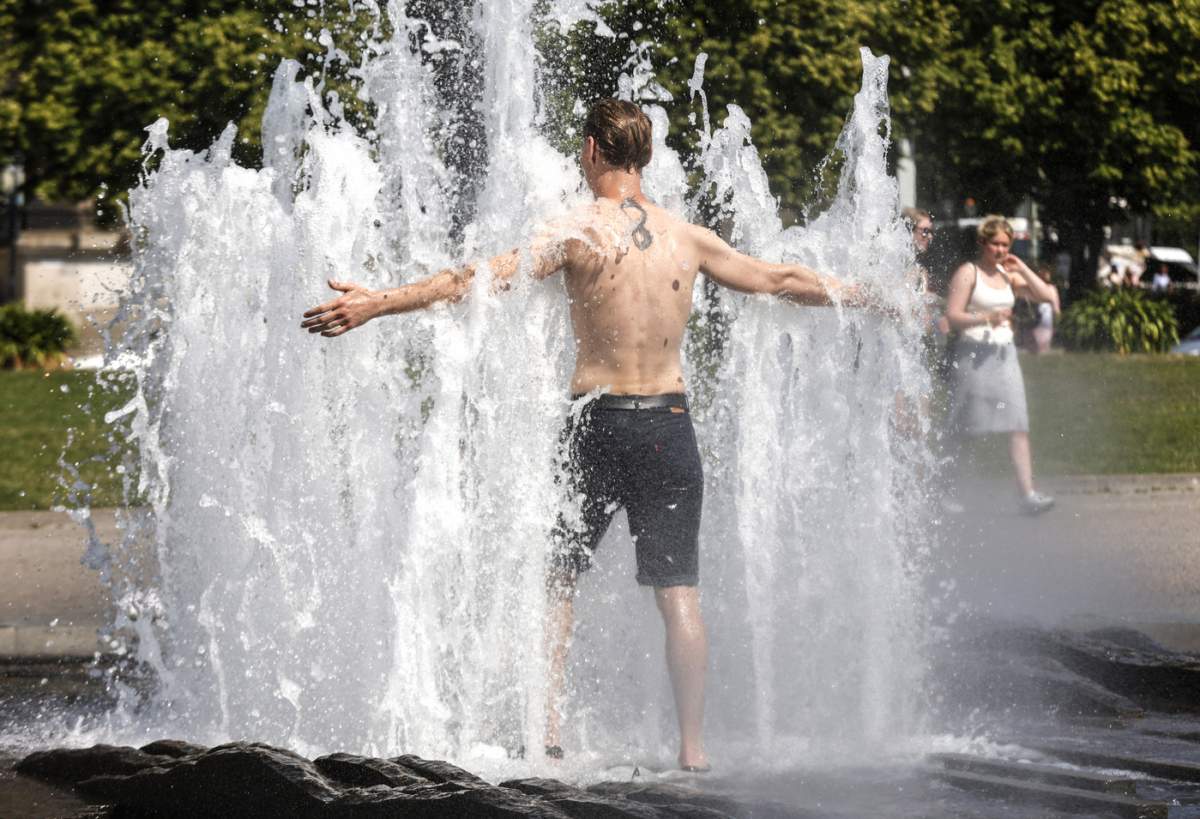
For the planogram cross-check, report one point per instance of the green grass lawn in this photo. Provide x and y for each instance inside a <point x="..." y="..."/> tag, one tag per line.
<point x="1093" y="413"/>
<point x="1089" y="413"/>
<point x="36" y="411"/>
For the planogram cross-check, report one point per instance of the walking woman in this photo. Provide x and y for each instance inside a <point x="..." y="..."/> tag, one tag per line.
<point x="989" y="394"/>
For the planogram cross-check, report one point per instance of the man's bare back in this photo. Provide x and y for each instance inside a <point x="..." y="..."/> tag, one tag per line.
<point x="630" y="292"/>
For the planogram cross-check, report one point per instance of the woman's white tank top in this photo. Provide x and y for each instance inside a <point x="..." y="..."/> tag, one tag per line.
<point x="985" y="299"/>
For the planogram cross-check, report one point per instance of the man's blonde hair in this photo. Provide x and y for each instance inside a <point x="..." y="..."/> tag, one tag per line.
<point x="622" y="133"/>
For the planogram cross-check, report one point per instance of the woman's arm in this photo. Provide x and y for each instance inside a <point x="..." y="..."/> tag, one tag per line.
<point x="959" y="295"/>
<point x="1025" y="282"/>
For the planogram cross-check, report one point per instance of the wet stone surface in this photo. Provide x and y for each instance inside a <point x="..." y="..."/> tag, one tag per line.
<point x="252" y="779"/>
<point x="1031" y="693"/>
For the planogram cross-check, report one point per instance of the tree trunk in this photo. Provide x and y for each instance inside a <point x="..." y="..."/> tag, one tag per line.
<point x="1084" y="240"/>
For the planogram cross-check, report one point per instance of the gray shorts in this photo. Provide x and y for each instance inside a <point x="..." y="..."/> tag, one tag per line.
<point x="989" y="390"/>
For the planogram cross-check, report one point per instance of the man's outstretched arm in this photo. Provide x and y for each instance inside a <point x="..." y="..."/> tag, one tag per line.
<point x="794" y="282"/>
<point x="357" y="305"/>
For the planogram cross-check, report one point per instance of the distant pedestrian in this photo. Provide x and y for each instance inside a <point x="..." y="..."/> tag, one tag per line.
<point x="989" y="393"/>
<point x="1162" y="280"/>
<point x="921" y="224"/>
<point x="1140" y="263"/>
<point x="1047" y="312"/>
<point x="912" y="411"/>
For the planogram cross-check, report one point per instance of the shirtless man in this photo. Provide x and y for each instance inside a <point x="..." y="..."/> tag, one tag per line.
<point x="629" y="268"/>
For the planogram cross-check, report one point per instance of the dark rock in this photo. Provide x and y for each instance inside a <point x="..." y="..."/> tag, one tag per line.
<point x="1037" y="684"/>
<point x="255" y="780"/>
<point x="74" y="765"/>
<point x="173" y="747"/>
<point x="1104" y="673"/>
<point x="581" y="804"/>
<point x="687" y="811"/>
<point x="1128" y="638"/>
<point x="536" y="786"/>
<point x="236" y="780"/>
<point x="1121" y="661"/>
<point x="445" y="800"/>
<point x="436" y="771"/>
<point x="672" y="800"/>
<point x="489" y="801"/>
<point x="363" y="772"/>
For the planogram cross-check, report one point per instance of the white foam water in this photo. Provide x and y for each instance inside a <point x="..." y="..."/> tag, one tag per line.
<point x="349" y="536"/>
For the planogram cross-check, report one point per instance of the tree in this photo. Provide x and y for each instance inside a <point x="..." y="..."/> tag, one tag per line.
<point x="83" y="78"/>
<point x="793" y="67"/>
<point x="1090" y="108"/>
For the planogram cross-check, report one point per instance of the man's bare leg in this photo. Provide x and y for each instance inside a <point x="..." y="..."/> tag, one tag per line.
<point x="687" y="661"/>
<point x="559" y="624"/>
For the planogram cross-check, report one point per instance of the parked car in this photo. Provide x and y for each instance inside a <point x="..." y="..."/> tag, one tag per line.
<point x="1190" y="344"/>
<point x="1180" y="267"/>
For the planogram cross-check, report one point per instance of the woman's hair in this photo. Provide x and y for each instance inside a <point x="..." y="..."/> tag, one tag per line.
<point x="622" y="133"/>
<point x="913" y="215"/>
<point x="991" y="225"/>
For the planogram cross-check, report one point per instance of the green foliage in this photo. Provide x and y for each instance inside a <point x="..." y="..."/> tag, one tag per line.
<point x="1186" y="304"/>
<point x="83" y="79"/>
<point x="793" y="67"/>
<point x="33" y="338"/>
<point x="1083" y="106"/>
<point x="1122" y="320"/>
<point x="1091" y="108"/>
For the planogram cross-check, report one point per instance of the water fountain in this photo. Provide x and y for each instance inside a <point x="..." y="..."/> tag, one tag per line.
<point x="338" y="545"/>
<point x="349" y="536"/>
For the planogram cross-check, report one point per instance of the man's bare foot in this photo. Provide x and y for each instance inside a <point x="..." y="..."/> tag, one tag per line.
<point x="694" y="762"/>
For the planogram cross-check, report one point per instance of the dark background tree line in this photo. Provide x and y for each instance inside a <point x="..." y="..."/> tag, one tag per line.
<point x="1090" y="107"/>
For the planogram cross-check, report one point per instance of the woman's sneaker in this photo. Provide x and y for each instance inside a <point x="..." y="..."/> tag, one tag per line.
<point x="1035" y="503"/>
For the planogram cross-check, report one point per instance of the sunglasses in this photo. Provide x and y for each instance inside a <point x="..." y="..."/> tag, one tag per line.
<point x="925" y="232"/>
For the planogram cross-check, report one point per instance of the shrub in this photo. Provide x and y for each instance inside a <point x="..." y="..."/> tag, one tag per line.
<point x="1121" y="320"/>
<point x="1186" y="304"/>
<point x="33" y="338"/>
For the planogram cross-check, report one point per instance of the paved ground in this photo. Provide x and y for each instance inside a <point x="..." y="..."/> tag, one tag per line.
<point x="50" y="605"/>
<point x="1114" y="550"/>
<point x="1121" y="549"/>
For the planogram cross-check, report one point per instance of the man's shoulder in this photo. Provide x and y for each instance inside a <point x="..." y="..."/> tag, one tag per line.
<point x="665" y="220"/>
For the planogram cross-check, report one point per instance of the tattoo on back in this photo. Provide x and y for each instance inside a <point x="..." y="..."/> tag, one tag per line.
<point x="641" y="236"/>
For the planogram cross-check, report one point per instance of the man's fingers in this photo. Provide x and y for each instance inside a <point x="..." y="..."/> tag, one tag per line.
<point x="326" y="322"/>
<point x="345" y="287"/>
<point x="322" y="318"/>
<point x="324" y="308"/>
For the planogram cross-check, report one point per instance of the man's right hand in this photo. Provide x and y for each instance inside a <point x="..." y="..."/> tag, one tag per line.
<point x="354" y="308"/>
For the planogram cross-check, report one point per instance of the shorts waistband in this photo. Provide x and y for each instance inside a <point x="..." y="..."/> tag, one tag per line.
<point x="608" y="400"/>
